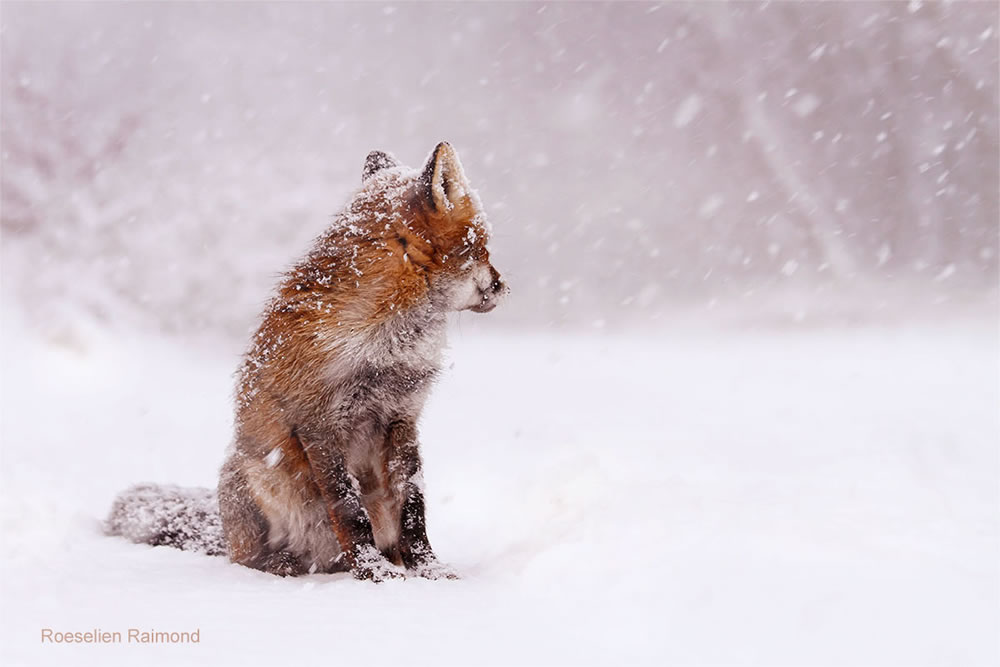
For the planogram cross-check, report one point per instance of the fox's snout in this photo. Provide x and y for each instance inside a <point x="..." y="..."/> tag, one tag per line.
<point x="491" y="293"/>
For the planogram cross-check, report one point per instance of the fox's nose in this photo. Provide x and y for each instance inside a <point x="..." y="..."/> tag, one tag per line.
<point x="497" y="285"/>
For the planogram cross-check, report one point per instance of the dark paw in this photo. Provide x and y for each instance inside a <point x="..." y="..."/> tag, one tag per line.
<point x="370" y="565"/>
<point x="420" y="561"/>
<point x="283" y="564"/>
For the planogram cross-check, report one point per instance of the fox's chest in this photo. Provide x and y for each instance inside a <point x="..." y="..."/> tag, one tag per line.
<point x="390" y="372"/>
<point x="384" y="395"/>
<point x="410" y="344"/>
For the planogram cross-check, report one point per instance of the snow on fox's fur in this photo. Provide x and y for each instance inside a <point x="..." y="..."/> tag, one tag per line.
<point x="324" y="473"/>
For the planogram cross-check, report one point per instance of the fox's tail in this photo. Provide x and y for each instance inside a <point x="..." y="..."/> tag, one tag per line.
<point x="172" y="516"/>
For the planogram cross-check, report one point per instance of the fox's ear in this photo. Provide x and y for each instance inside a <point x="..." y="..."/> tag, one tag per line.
<point x="377" y="161"/>
<point x="444" y="180"/>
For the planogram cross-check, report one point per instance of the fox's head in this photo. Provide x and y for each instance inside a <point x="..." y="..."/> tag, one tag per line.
<point x="440" y="228"/>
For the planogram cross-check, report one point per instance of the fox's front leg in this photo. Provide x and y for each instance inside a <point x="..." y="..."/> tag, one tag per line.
<point x="348" y="517"/>
<point x="405" y="467"/>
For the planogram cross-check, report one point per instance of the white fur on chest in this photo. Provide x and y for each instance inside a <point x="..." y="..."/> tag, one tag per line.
<point x="413" y="341"/>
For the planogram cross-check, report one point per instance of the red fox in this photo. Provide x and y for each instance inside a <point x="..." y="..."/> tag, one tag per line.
<point x="324" y="473"/>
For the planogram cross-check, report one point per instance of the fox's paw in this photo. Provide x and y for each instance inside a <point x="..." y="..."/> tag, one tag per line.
<point x="283" y="564"/>
<point x="420" y="561"/>
<point x="371" y="565"/>
<point x="433" y="569"/>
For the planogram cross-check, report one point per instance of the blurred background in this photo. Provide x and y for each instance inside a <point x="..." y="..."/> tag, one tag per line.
<point x="745" y="385"/>
<point x="787" y="163"/>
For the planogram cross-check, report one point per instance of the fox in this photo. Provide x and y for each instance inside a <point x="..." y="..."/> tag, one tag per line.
<point x="324" y="472"/>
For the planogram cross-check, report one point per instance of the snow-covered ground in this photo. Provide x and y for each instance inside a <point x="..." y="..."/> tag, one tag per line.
<point x="778" y="497"/>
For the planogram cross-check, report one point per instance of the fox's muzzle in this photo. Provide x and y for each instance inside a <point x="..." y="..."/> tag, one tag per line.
<point x="492" y="294"/>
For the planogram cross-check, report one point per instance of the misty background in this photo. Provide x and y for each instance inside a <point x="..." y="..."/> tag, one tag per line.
<point x="785" y="162"/>
<point x="745" y="385"/>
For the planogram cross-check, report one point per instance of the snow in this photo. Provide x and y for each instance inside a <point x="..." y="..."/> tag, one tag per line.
<point x="884" y="253"/>
<point x="687" y="110"/>
<point x="711" y="206"/>
<point x="792" y="496"/>
<point x="805" y="105"/>
<point x="946" y="272"/>
<point x="273" y="457"/>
